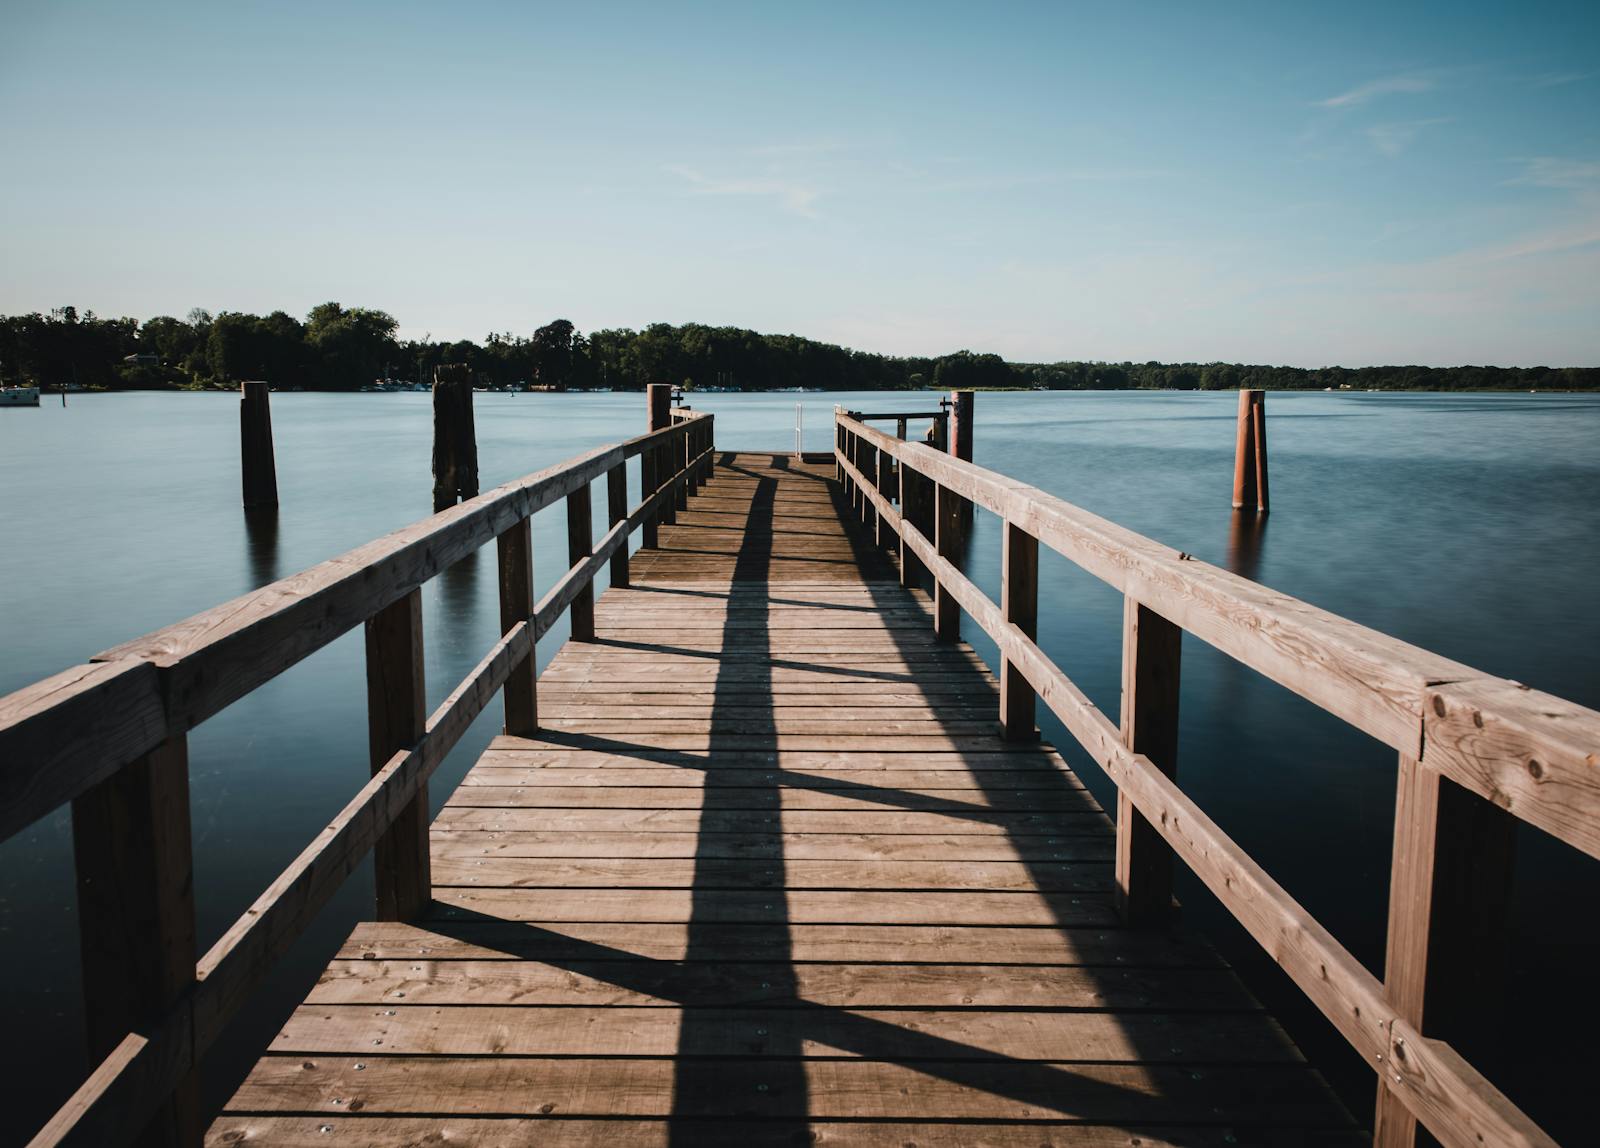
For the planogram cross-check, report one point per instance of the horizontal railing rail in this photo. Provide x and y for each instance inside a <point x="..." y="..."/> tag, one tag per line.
<point x="109" y="737"/>
<point x="1524" y="753"/>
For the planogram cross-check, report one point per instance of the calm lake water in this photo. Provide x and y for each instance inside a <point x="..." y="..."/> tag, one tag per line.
<point x="1467" y="524"/>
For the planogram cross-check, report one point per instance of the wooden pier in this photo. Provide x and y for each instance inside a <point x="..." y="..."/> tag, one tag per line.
<point x="767" y="855"/>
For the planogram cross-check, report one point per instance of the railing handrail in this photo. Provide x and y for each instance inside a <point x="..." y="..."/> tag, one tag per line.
<point x="1530" y="754"/>
<point x="1480" y="730"/>
<point x="75" y="728"/>
<point x="71" y="732"/>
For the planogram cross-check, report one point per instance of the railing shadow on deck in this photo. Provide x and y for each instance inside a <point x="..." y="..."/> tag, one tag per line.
<point x="1474" y="752"/>
<point x="1049" y="1090"/>
<point x="110" y="737"/>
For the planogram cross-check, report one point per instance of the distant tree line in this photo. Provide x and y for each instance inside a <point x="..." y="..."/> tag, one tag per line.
<point x="341" y="348"/>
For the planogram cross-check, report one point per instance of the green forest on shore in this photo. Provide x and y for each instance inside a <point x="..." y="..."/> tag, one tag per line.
<point x="339" y="348"/>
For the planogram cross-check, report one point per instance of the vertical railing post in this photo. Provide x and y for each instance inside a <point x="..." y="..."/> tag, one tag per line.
<point x="1019" y="605"/>
<point x="838" y="446"/>
<point x="396" y="715"/>
<point x="868" y="467"/>
<point x="616" y="511"/>
<point x="900" y="429"/>
<point x="514" y="548"/>
<point x="135" y="875"/>
<point x="1449" y="892"/>
<point x="580" y="544"/>
<point x="658" y="405"/>
<point x="947" y="541"/>
<point x="883" y="479"/>
<point x="911" y="568"/>
<point x="256" y="463"/>
<point x="659" y="399"/>
<point x="852" y="449"/>
<point x="681" y="454"/>
<point x="1151" y="658"/>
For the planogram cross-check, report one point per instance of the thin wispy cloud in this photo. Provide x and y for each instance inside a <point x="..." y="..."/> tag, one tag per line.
<point x="1561" y="79"/>
<point x="1404" y="83"/>
<point x="1553" y="171"/>
<point x="797" y="148"/>
<point x="1002" y="181"/>
<point x="1393" y="139"/>
<point x="797" y="198"/>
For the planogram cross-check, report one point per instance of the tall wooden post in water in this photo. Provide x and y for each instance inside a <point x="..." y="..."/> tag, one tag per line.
<point x="1250" y="454"/>
<point x="255" y="447"/>
<point x="455" y="441"/>
<point x="961" y="424"/>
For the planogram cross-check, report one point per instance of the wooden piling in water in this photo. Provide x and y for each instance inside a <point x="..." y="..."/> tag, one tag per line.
<point x="455" y="440"/>
<point x="1250" y="454"/>
<point x="961" y="425"/>
<point x="259" y="471"/>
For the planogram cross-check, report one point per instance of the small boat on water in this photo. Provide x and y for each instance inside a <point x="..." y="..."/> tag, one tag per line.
<point x="19" y="396"/>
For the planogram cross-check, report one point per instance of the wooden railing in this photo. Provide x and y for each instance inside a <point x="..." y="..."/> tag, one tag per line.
<point x="1475" y="753"/>
<point x="110" y="737"/>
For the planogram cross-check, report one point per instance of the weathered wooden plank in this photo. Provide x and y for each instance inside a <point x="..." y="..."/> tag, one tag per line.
<point x="493" y="1132"/>
<point x="867" y="797"/>
<point x="937" y="1090"/>
<point x="1190" y="1038"/>
<point x="499" y="870"/>
<point x="423" y="981"/>
<point x="1087" y="844"/>
<point x="494" y="940"/>
<point x="867" y="818"/>
<point x="805" y="906"/>
<point x="920" y="781"/>
<point x="527" y="754"/>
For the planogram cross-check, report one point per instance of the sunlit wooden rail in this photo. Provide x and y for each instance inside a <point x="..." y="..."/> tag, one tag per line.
<point x="1474" y="752"/>
<point x="764" y="789"/>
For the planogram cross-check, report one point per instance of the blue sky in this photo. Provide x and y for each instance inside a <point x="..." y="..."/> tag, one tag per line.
<point x="1288" y="183"/>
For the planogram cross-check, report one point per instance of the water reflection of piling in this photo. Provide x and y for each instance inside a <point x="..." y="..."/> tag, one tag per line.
<point x="1245" y="535"/>
<point x="261" y="544"/>
<point x="460" y="601"/>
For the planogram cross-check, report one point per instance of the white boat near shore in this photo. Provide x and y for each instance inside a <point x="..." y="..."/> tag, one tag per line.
<point x="19" y="396"/>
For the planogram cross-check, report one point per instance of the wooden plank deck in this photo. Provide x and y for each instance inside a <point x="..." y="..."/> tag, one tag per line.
<point x="770" y="877"/>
